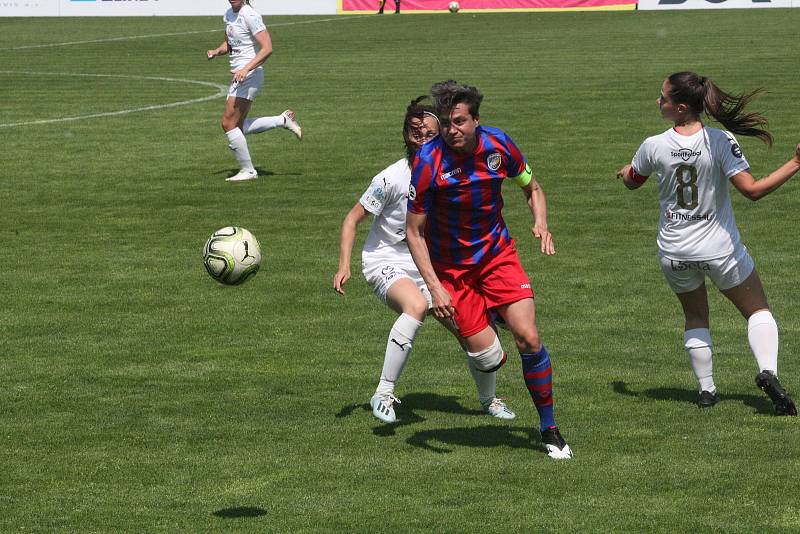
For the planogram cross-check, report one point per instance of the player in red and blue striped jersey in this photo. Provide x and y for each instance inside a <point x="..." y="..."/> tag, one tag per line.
<point x="461" y="245"/>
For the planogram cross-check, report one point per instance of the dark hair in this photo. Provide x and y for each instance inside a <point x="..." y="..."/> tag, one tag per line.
<point x="446" y="95"/>
<point x="415" y="110"/>
<point x="703" y="95"/>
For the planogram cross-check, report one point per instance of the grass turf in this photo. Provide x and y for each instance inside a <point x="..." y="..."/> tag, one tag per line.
<point x="139" y="395"/>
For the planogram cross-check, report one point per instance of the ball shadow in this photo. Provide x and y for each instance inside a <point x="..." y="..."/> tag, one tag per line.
<point x="240" y="511"/>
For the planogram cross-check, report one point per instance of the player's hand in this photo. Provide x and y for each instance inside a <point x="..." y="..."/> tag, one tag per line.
<point x="543" y="234"/>
<point x="442" y="303"/>
<point x="796" y="157"/>
<point x="341" y="276"/>
<point x="627" y="172"/>
<point x="211" y="54"/>
<point x="240" y="75"/>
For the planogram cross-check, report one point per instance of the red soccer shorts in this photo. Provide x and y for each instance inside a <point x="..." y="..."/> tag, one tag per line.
<point x="475" y="289"/>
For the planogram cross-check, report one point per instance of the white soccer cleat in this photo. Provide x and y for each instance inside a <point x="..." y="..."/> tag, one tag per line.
<point x="290" y="123"/>
<point x="383" y="406"/>
<point x="497" y="408"/>
<point x="243" y="175"/>
<point x="555" y="445"/>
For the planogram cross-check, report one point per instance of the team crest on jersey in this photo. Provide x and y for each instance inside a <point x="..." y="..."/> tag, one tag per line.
<point x="493" y="161"/>
<point x="686" y="153"/>
<point x="736" y="151"/>
<point x="378" y="192"/>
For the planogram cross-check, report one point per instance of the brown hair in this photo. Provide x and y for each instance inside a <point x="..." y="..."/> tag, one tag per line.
<point x="415" y="110"/>
<point x="703" y="95"/>
<point x="449" y="93"/>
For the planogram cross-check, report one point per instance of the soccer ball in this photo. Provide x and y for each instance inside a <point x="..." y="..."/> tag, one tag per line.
<point x="453" y="7"/>
<point x="232" y="255"/>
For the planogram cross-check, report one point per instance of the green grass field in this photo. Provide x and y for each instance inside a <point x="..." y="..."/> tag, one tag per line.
<point x="139" y="395"/>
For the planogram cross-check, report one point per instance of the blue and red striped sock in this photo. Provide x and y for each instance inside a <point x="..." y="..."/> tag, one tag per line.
<point x="539" y="379"/>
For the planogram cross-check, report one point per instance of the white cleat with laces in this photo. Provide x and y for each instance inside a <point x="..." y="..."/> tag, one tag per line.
<point x="383" y="406"/>
<point x="244" y="174"/>
<point x="290" y="123"/>
<point x="497" y="408"/>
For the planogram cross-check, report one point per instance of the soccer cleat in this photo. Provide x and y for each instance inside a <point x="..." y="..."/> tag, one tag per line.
<point x="707" y="399"/>
<point x="382" y="406"/>
<point x="497" y="408"/>
<point x="244" y="174"/>
<point x="769" y="384"/>
<point x="290" y="123"/>
<point x="555" y="445"/>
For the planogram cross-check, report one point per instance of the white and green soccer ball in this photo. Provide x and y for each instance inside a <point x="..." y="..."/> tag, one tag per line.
<point x="232" y="255"/>
<point x="453" y="7"/>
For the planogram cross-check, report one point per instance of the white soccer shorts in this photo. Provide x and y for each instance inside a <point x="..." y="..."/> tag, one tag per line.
<point x="249" y="87"/>
<point x="382" y="273"/>
<point x="726" y="272"/>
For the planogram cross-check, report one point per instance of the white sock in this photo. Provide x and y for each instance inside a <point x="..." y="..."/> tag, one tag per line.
<point x="762" y="333"/>
<point x="262" y="124"/>
<point x="697" y="342"/>
<point x="398" y="347"/>
<point x="486" y="382"/>
<point x="238" y="144"/>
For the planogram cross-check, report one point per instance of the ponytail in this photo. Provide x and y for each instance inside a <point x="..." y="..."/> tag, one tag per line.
<point x="703" y="95"/>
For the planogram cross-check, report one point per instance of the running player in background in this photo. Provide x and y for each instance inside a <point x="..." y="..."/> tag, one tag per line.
<point x="461" y="245"/>
<point x="248" y="43"/>
<point x="396" y="7"/>
<point x="697" y="234"/>
<point x="390" y="271"/>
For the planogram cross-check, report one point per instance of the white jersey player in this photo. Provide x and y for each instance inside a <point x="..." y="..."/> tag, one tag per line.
<point x="697" y="234"/>
<point x="390" y="271"/>
<point x="248" y="43"/>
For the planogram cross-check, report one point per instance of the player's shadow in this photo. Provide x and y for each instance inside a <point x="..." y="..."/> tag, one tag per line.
<point x="239" y="512"/>
<point x="488" y="436"/>
<point x="407" y="410"/>
<point x="227" y="173"/>
<point x="262" y="173"/>
<point x="758" y="403"/>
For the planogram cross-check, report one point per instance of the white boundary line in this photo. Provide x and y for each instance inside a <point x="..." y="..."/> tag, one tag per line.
<point x="222" y="90"/>
<point x="134" y="37"/>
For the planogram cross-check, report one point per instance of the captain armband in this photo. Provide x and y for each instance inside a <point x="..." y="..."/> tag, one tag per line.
<point x="525" y="178"/>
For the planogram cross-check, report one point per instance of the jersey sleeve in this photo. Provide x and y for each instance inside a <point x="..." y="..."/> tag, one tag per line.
<point x="642" y="162"/>
<point x="374" y="198"/>
<point x="422" y="180"/>
<point x="515" y="163"/>
<point x="731" y="159"/>
<point x="254" y="22"/>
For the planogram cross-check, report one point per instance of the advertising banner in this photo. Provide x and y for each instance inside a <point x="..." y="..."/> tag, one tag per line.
<point x="649" y="5"/>
<point x="148" y="8"/>
<point x="29" y="8"/>
<point x="112" y="8"/>
<point x="419" y="6"/>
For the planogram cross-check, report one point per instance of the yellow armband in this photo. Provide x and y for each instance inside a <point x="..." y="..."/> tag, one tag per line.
<point x="524" y="178"/>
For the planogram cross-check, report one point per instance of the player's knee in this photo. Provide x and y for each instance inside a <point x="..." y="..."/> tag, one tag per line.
<point x="528" y="341"/>
<point x="417" y="308"/>
<point x="489" y="359"/>
<point x="227" y="123"/>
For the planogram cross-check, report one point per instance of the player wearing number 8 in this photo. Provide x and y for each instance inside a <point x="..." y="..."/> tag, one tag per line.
<point x="697" y="234"/>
